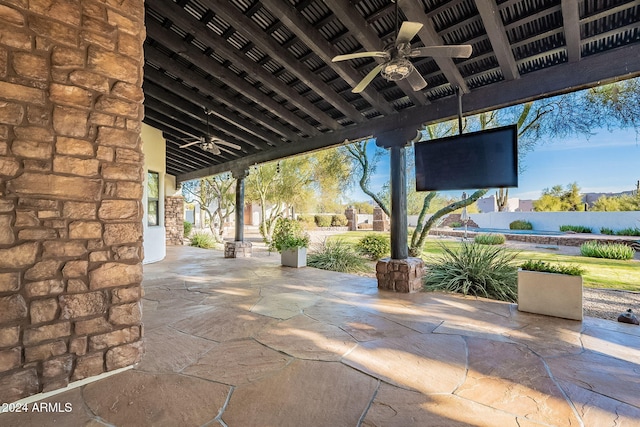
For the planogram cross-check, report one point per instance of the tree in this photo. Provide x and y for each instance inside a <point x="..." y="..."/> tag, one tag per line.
<point x="558" y="199"/>
<point x="302" y="183"/>
<point x="216" y="198"/>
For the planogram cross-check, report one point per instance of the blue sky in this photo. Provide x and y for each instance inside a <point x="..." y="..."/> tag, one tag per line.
<point x="604" y="162"/>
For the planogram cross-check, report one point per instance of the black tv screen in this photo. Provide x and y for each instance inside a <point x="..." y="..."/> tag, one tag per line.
<point x="485" y="159"/>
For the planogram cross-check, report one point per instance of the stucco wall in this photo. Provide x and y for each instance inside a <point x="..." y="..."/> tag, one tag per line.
<point x="154" y="149"/>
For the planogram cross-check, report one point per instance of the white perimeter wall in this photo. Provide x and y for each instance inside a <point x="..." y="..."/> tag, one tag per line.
<point x="551" y="221"/>
<point x="154" y="149"/>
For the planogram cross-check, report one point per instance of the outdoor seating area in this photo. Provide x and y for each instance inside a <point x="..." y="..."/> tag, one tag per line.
<point x="246" y="342"/>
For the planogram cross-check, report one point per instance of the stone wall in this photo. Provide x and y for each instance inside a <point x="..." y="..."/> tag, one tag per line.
<point x="70" y="191"/>
<point x="174" y="219"/>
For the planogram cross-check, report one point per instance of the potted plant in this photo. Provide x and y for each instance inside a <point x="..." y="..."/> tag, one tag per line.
<point x="291" y="241"/>
<point x="550" y="289"/>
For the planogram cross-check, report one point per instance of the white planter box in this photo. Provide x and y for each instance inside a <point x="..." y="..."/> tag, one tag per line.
<point x="551" y="294"/>
<point x="294" y="257"/>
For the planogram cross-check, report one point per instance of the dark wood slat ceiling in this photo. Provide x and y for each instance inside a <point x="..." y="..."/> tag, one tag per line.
<point x="263" y="67"/>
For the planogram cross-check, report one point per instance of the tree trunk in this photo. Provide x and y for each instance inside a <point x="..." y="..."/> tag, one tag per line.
<point x="416" y="249"/>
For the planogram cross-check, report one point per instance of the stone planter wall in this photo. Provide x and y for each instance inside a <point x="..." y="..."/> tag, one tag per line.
<point x="70" y="191"/>
<point x="174" y="220"/>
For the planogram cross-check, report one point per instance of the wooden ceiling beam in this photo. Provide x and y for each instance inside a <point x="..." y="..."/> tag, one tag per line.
<point x="571" y="24"/>
<point x="178" y="125"/>
<point x="173" y="42"/>
<point x="325" y="51"/>
<point x="361" y="30"/>
<point x="430" y="37"/>
<point x="205" y="86"/>
<point x="197" y="113"/>
<point x="494" y="27"/>
<point x="223" y="48"/>
<point x="166" y="82"/>
<point x="592" y="70"/>
<point x="269" y="45"/>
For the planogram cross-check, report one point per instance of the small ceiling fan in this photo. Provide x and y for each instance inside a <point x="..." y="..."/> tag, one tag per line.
<point x="208" y="142"/>
<point x="396" y="65"/>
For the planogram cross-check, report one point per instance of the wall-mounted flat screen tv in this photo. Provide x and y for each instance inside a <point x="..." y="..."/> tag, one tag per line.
<point x="485" y="159"/>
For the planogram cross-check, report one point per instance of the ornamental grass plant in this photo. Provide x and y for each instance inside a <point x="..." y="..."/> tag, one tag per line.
<point x="490" y="239"/>
<point x="337" y="255"/>
<point x="607" y="250"/>
<point x="473" y="269"/>
<point x="202" y="239"/>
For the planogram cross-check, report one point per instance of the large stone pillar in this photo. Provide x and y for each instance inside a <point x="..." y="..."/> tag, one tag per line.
<point x="70" y="192"/>
<point x="238" y="248"/>
<point x="399" y="273"/>
<point x="174" y="220"/>
<point x="352" y="218"/>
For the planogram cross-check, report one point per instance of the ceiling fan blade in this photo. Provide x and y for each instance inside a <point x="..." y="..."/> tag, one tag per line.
<point x="367" y="79"/>
<point x="215" y="150"/>
<point x="228" y="144"/>
<point x="416" y="81"/>
<point x="455" y="51"/>
<point x="408" y="31"/>
<point x="190" y="144"/>
<point x="374" y="54"/>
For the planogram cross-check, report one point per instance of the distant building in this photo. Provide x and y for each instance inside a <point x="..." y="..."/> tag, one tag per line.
<point x="514" y="204"/>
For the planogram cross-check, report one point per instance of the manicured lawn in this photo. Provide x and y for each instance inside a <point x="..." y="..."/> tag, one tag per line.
<point x="599" y="272"/>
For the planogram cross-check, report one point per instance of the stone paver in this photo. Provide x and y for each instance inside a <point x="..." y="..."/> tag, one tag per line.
<point x="246" y="342"/>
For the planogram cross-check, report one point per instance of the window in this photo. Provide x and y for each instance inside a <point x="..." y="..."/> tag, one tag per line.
<point x="153" y="194"/>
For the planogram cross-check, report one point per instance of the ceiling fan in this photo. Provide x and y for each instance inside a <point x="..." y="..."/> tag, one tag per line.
<point x="396" y="65"/>
<point x="208" y="142"/>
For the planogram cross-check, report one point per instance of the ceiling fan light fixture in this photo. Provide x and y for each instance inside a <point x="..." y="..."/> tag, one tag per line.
<point x="397" y="69"/>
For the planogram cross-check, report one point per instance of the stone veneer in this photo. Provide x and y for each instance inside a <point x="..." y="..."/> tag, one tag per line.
<point x="70" y="191"/>
<point x="237" y="249"/>
<point x="380" y="220"/>
<point x="352" y="217"/>
<point x="400" y="275"/>
<point x="174" y="219"/>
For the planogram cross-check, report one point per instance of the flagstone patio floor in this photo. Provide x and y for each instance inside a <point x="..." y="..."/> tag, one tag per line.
<point x="246" y="342"/>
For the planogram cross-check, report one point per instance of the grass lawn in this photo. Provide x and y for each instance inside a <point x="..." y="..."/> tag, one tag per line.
<point x="599" y="272"/>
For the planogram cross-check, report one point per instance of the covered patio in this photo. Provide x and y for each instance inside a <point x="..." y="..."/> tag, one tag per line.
<point x="257" y="344"/>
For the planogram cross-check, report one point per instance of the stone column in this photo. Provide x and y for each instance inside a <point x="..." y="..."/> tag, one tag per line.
<point x="239" y="248"/>
<point x="352" y="218"/>
<point x="174" y="220"/>
<point x="399" y="273"/>
<point x="380" y="220"/>
<point x="71" y="176"/>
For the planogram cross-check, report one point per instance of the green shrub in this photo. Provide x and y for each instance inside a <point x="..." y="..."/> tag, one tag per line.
<point x="374" y="246"/>
<point x="545" y="267"/>
<point x="607" y="231"/>
<point x="187" y="228"/>
<point x="607" y="250"/>
<point x="339" y="220"/>
<point x="575" y="228"/>
<point x="485" y="271"/>
<point x="323" y="220"/>
<point x="337" y="255"/>
<point x="288" y="234"/>
<point x="520" y="224"/>
<point x="306" y="219"/>
<point x="490" y="239"/>
<point x="455" y="224"/>
<point x="629" y="232"/>
<point x="202" y="239"/>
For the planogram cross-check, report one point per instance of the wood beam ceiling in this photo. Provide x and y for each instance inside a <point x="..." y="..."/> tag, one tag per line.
<point x="494" y="27"/>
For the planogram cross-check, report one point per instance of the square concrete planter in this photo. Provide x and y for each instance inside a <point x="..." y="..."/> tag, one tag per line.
<point x="551" y="294"/>
<point x="294" y="257"/>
